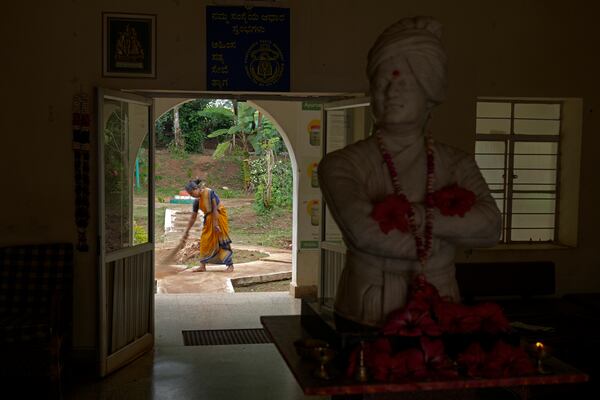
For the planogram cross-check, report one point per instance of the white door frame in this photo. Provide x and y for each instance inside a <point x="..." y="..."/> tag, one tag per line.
<point x="109" y="362"/>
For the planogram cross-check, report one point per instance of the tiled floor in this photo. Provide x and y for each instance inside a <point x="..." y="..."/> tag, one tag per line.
<point x="177" y="312"/>
<point x="174" y="371"/>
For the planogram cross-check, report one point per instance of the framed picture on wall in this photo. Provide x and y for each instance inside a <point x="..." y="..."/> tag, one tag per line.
<point x="129" y="45"/>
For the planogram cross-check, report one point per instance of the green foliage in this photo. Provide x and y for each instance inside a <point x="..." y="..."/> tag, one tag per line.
<point x="229" y="193"/>
<point x="266" y="132"/>
<point x="246" y="175"/>
<point x="176" y="152"/>
<point x="221" y="150"/>
<point x="249" y="130"/>
<point x="236" y="135"/>
<point x="282" y="185"/>
<point x="194" y="140"/>
<point x="139" y="235"/>
<point x="220" y="132"/>
<point x="164" y="130"/>
<point x="197" y="118"/>
<point x="217" y="117"/>
<point x="162" y="193"/>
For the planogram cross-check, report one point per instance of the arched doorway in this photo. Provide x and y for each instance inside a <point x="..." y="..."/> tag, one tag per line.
<point x="182" y="283"/>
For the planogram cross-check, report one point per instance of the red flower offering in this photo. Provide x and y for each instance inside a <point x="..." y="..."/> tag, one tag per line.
<point x="412" y="320"/>
<point x="378" y="359"/>
<point x="456" y="318"/>
<point x="454" y="200"/>
<point x="407" y="363"/>
<point x="392" y="213"/>
<point x="492" y="317"/>
<point x="505" y="361"/>
<point x="473" y="360"/>
<point x="437" y="363"/>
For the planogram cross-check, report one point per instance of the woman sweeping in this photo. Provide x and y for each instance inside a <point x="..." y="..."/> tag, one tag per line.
<point x="215" y="244"/>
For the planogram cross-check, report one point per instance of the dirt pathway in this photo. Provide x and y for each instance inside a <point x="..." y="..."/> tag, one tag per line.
<point x="173" y="278"/>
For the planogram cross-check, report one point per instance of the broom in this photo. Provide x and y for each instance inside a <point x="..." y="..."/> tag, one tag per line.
<point x="173" y="253"/>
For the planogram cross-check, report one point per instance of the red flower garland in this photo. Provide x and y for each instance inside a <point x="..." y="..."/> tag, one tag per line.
<point x="396" y="212"/>
<point x="388" y="220"/>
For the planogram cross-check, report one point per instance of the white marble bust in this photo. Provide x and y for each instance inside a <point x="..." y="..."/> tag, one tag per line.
<point x="407" y="74"/>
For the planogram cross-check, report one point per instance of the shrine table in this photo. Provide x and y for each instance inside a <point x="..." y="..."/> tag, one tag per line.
<point x="285" y="330"/>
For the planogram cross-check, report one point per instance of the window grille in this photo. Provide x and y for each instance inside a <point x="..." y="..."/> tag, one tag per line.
<point x="517" y="149"/>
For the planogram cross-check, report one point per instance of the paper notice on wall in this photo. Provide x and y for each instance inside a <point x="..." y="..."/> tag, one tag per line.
<point x="314" y="132"/>
<point x="310" y="177"/>
<point x="310" y="133"/>
<point x="309" y="222"/>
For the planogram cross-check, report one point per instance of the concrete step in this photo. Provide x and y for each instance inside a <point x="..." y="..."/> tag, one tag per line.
<point x="183" y="222"/>
<point x="179" y="235"/>
<point x="187" y="213"/>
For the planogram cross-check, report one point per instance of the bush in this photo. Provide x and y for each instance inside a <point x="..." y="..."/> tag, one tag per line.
<point x="139" y="235"/>
<point x="282" y="189"/>
<point x="195" y="126"/>
<point x="177" y="152"/>
<point x="194" y="140"/>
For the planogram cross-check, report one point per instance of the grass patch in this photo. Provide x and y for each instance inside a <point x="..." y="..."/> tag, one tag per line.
<point x="140" y="217"/>
<point x="224" y="172"/>
<point x="230" y="193"/>
<point x="273" y="229"/>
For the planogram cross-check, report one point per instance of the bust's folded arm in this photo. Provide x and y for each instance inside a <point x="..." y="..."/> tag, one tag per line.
<point x="343" y="185"/>
<point x="481" y="225"/>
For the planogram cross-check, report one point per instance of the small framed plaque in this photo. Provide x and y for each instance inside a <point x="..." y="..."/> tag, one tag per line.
<point x="129" y="45"/>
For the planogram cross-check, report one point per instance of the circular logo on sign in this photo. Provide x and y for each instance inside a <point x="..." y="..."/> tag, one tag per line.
<point x="264" y="63"/>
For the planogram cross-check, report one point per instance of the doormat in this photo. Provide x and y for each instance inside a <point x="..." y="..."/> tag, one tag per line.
<point x="225" y="336"/>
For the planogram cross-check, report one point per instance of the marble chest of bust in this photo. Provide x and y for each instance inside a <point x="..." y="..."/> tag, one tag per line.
<point x="407" y="75"/>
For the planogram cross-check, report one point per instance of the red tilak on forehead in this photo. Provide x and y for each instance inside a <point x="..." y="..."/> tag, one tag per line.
<point x="396" y="72"/>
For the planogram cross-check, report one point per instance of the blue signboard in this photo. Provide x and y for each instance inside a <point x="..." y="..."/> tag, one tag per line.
<point x="248" y="49"/>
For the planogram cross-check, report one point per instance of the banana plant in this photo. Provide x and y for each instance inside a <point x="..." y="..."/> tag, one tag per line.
<point x="251" y="130"/>
<point x="244" y="126"/>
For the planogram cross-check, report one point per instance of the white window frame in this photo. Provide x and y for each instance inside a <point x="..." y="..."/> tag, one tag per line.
<point x="508" y="190"/>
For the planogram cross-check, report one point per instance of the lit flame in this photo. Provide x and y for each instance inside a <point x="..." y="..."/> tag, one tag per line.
<point x="539" y="345"/>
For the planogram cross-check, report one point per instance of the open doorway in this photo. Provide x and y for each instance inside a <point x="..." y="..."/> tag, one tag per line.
<point x="241" y="155"/>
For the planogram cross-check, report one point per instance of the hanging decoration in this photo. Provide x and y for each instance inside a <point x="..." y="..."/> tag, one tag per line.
<point x="81" y="153"/>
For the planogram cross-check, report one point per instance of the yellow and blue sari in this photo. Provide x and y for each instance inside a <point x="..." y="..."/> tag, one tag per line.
<point x="215" y="247"/>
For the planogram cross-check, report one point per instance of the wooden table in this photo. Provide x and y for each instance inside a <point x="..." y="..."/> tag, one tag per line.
<point x="284" y="330"/>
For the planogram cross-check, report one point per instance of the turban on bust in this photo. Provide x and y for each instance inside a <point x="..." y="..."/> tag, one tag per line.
<point x="418" y="40"/>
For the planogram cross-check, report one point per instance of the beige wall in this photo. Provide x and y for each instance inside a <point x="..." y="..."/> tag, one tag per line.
<point x="292" y="122"/>
<point x="50" y="50"/>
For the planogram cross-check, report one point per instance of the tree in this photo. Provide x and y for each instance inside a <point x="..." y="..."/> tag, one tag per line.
<point x="254" y="131"/>
<point x="179" y="142"/>
<point x="268" y="147"/>
<point x="194" y="126"/>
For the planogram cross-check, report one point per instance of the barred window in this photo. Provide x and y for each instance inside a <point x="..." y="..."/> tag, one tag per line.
<point x="518" y="151"/>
